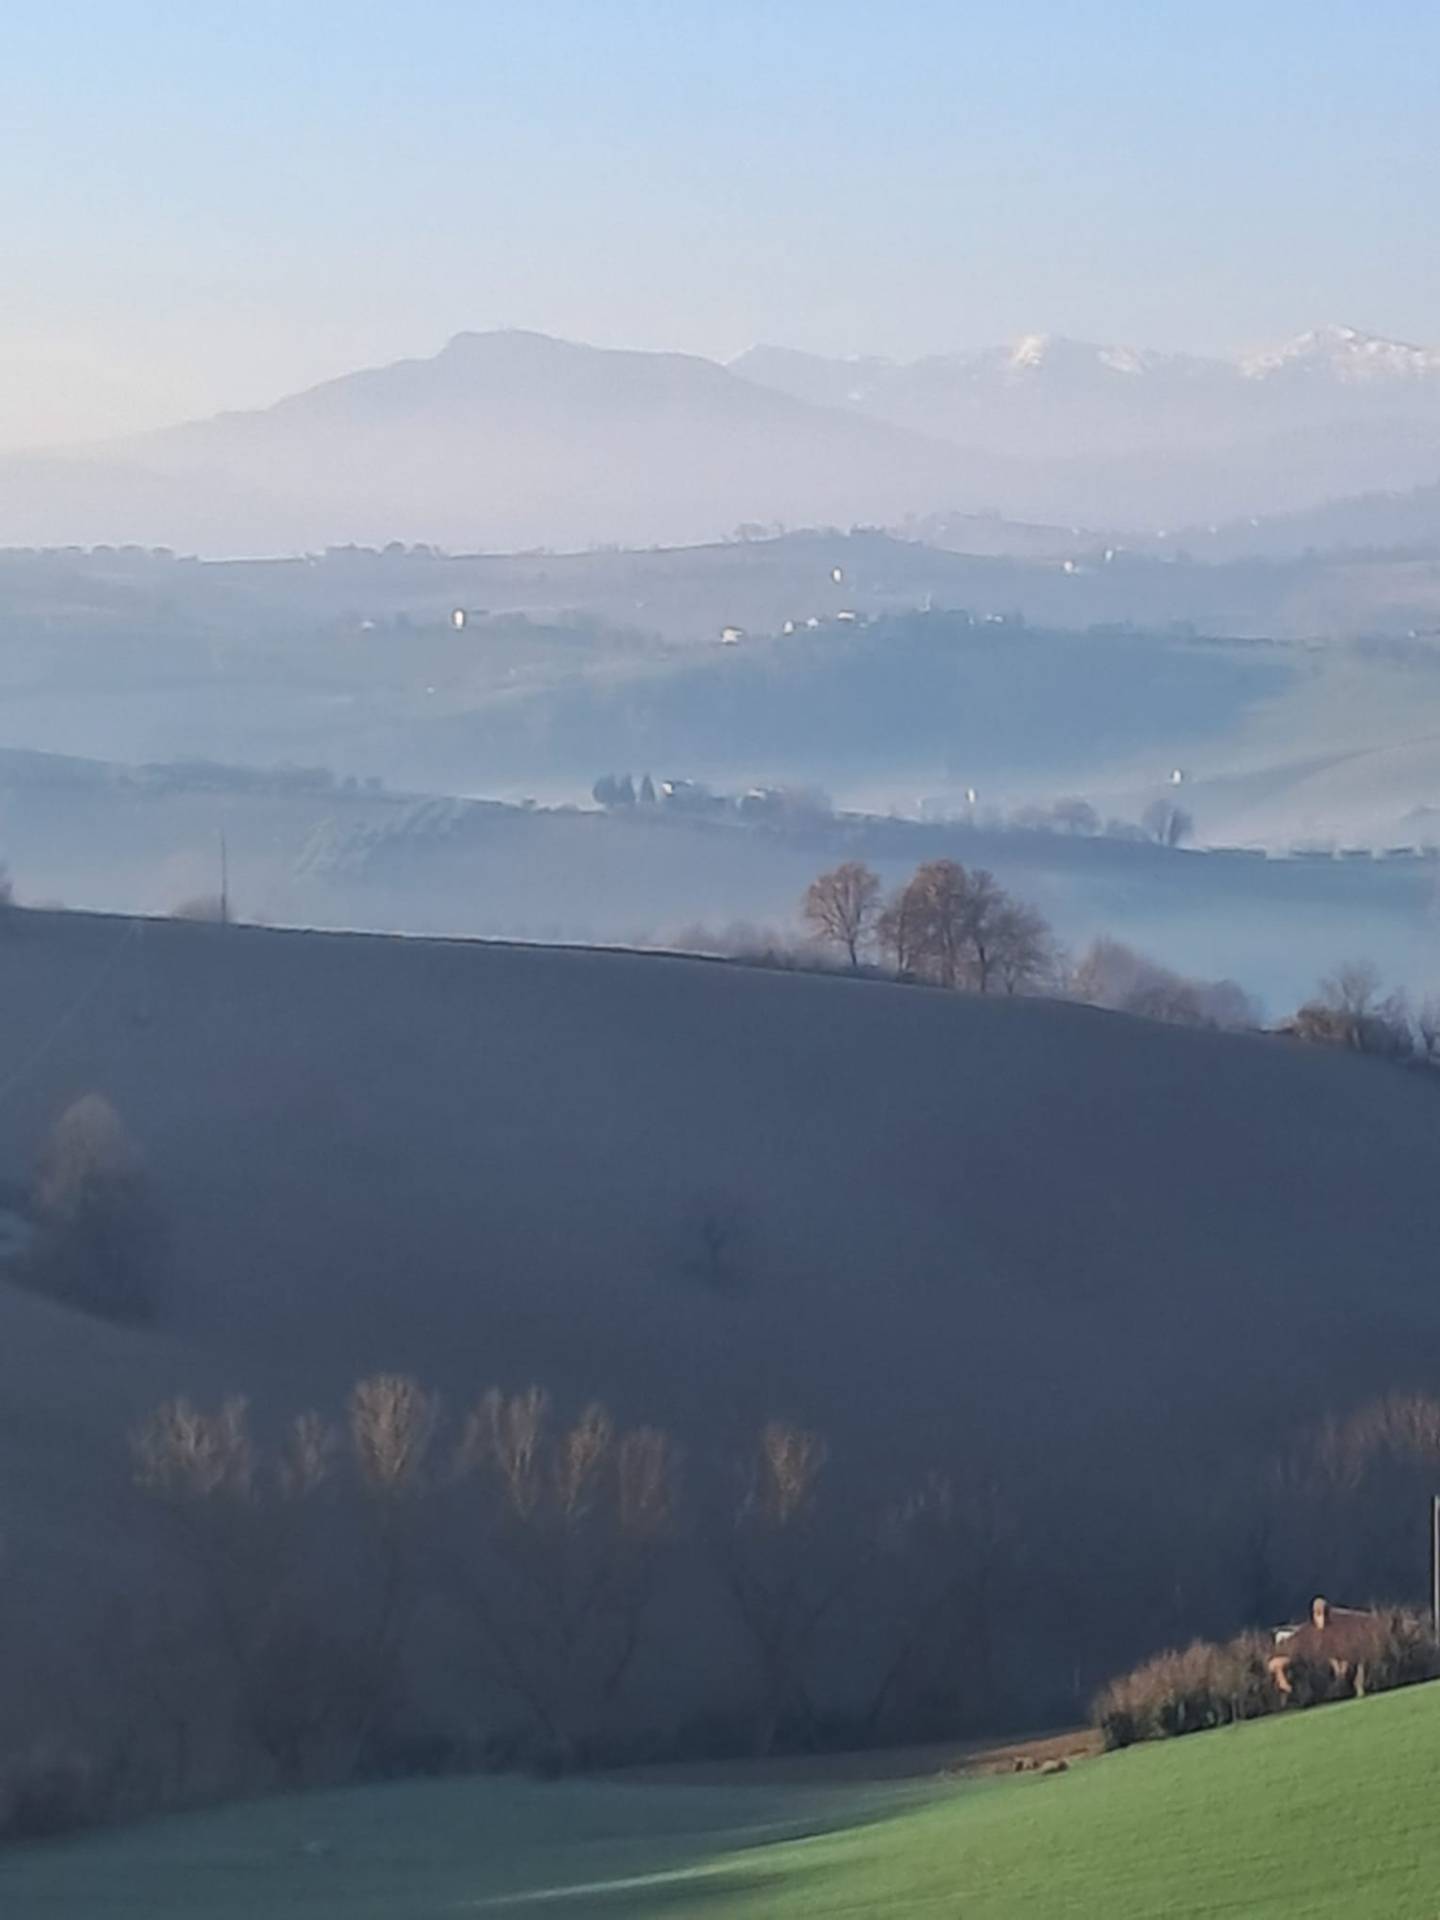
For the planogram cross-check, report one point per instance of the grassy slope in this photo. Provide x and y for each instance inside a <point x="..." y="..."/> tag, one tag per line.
<point x="1326" y="1814"/>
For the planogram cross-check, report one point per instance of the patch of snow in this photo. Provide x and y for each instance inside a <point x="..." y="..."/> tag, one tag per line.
<point x="1345" y="354"/>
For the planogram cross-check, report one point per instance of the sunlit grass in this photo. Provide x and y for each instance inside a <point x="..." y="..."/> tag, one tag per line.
<point x="1330" y="1813"/>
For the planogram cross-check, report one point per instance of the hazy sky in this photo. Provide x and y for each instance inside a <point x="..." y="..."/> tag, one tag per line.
<point x="211" y="202"/>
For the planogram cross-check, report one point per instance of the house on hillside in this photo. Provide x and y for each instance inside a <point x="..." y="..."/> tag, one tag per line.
<point x="1341" y="1638"/>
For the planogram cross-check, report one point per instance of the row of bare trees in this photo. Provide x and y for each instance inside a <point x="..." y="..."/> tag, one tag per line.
<point x="949" y="925"/>
<point x="954" y="926"/>
<point x="399" y="1590"/>
<point x="552" y="1559"/>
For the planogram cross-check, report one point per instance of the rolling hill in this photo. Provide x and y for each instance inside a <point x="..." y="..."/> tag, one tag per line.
<point x="308" y="851"/>
<point x="501" y="440"/>
<point x="1405" y="521"/>
<point x="1322" y="1816"/>
<point x="1033" y="1239"/>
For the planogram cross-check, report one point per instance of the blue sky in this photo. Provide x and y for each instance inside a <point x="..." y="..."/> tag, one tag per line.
<point x="209" y="204"/>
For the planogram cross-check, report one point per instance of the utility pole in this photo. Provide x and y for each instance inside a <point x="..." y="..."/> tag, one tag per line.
<point x="224" y="881"/>
<point x="1435" y="1564"/>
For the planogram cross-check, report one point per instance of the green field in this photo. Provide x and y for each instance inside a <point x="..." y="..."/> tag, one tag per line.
<point x="1329" y="1813"/>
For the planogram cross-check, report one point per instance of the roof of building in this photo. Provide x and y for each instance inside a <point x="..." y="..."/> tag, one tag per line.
<point x="1346" y="1632"/>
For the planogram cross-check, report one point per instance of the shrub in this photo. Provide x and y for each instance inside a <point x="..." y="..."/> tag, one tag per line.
<point x="1349" y="1012"/>
<point x="1383" y="1035"/>
<point x="1403" y="1651"/>
<point x="1205" y="1685"/>
<point x="99" y="1244"/>
<point x="1112" y="975"/>
<point x="1187" y="1691"/>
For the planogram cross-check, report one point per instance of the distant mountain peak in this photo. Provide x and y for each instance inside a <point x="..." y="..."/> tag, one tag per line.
<point x="1032" y="350"/>
<point x="1346" y="354"/>
<point x="1056" y="352"/>
<point x="525" y="343"/>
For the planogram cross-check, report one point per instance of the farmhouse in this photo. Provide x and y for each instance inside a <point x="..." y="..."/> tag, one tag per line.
<point x="1341" y="1637"/>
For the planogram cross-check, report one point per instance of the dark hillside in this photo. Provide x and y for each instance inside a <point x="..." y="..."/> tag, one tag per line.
<point x="1106" y="1257"/>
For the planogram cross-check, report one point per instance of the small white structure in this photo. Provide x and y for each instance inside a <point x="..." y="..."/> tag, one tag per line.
<point x="731" y="636"/>
<point x="458" y="618"/>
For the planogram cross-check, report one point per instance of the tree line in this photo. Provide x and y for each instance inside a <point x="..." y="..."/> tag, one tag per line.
<point x="955" y="927"/>
<point x="396" y="1590"/>
<point x="947" y="924"/>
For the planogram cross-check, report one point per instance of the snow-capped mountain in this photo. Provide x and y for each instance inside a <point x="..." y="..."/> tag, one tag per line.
<point x="1119" y="435"/>
<point x="512" y="439"/>
<point x="1345" y="356"/>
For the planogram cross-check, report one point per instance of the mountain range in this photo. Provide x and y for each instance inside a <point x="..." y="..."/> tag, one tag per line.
<point x="1115" y="436"/>
<point x="512" y="440"/>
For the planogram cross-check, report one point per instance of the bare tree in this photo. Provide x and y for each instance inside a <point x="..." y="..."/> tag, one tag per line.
<point x="99" y="1245"/>
<point x="986" y="908"/>
<point x="1110" y="974"/>
<point x="944" y="1548"/>
<point x="938" y="905"/>
<point x="393" y="1422"/>
<point x="231" y="1504"/>
<point x="88" y="1142"/>
<point x="1353" y="989"/>
<point x="842" y="907"/>
<point x="184" y="1453"/>
<point x="959" y="928"/>
<point x="202" y="1469"/>
<point x="784" y="1577"/>
<point x="1348" y="1012"/>
<point x="304" y="1690"/>
<point x="1022" y="949"/>
<point x="1359" y="1481"/>
<point x="1427" y="1028"/>
<point x="307" y="1456"/>
<point x="899" y="929"/>
<point x="561" y="1553"/>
